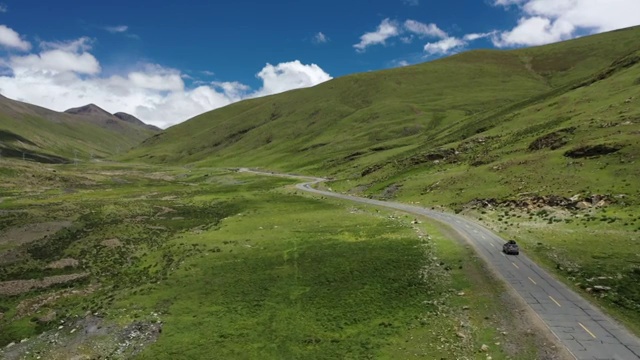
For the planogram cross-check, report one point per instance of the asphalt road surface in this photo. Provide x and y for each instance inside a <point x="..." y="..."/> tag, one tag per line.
<point x="585" y="330"/>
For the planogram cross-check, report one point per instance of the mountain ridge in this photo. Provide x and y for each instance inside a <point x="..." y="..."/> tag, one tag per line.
<point x="56" y="137"/>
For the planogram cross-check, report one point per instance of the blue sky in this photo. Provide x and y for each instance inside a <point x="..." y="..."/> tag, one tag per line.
<point x="167" y="62"/>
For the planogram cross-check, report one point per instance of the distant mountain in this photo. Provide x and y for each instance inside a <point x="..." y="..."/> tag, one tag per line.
<point x="134" y="120"/>
<point x="89" y="110"/>
<point x="44" y="135"/>
<point x="111" y="121"/>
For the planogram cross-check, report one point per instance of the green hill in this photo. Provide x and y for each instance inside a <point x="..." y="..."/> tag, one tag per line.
<point x="43" y="135"/>
<point x="351" y="124"/>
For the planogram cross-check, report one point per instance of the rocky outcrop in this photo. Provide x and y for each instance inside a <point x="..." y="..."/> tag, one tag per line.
<point x="553" y="141"/>
<point x="576" y="202"/>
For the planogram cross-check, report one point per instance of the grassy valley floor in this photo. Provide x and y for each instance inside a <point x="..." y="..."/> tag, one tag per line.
<point x="147" y="262"/>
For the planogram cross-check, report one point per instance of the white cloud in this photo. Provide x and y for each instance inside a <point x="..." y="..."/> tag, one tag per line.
<point x="79" y="45"/>
<point x="476" y="36"/>
<point x="289" y="75"/>
<point x="444" y="46"/>
<point x="207" y="72"/>
<point x="233" y="89"/>
<point x="385" y="30"/>
<point x="155" y="77"/>
<point x="411" y="2"/>
<point x="117" y="29"/>
<point x="407" y="39"/>
<point x="64" y="75"/>
<point x="3" y="8"/>
<point x="507" y="2"/>
<point x="546" y="21"/>
<point x="535" y="31"/>
<point x="389" y="29"/>
<point x="56" y="61"/>
<point x="11" y="39"/>
<point x="320" y="38"/>
<point x="430" y="30"/>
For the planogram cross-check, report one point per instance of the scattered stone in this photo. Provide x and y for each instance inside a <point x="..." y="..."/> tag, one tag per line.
<point x="461" y="293"/>
<point x="16" y="287"/>
<point x="601" y="288"/>
<point x="465" y="307"/>
<point x="63" y="263"/>
<point x="484" y="348"/>
<point x="461" y="335"/>
<point x="112" y="243"/>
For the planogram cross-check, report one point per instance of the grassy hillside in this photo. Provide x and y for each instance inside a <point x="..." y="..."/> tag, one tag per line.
<point x="47" y="136"/>
<point x="375" y="116"/>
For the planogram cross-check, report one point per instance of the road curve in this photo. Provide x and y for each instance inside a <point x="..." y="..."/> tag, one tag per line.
<point x="584" y="329"/>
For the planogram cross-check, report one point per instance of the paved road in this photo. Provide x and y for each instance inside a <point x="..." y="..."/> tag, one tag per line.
<point x="585" y="330"/>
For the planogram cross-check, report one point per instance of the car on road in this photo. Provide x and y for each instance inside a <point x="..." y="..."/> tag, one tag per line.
<point x="511" y="248"/>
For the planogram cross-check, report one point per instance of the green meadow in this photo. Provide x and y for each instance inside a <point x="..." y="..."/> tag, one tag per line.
<point x="238" y="266"/>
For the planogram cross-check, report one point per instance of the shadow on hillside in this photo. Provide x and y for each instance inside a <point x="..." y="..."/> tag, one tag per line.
<point x="32" y="156"/>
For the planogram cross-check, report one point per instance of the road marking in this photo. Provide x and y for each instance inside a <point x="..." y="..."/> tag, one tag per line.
<point x="503" y="254"/>
<point x="554" y="300"/>
<point x="514" y="264"/>
<point x="534" y="283"/>
<point x="492" y="245"/>
<point x="483" y="237"/>
<point x="587" y="330"/>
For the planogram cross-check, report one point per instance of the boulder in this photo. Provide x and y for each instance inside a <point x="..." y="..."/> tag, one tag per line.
<point x="583" y="205"/>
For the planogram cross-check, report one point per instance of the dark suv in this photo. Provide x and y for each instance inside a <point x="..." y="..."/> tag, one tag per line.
<point x="510" y="248"/>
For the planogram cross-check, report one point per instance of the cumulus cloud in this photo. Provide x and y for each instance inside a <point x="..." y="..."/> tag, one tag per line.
<point x="320" y="38"/>
<point x="65" y="75"/>
<point x="56" y="61"/>
<point x="3" y="8"/>
<point x="155" y="77"/>
<point x="385" y="30"/>
<point x="424" y="30"/>
<point x="389" y="29"/>
<point x="11" y="39"/>
<point x="289" y="75"/>
<point x="546" y="21"/>
<point x="444" y="46"/>
<point x="451" y="44"/>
